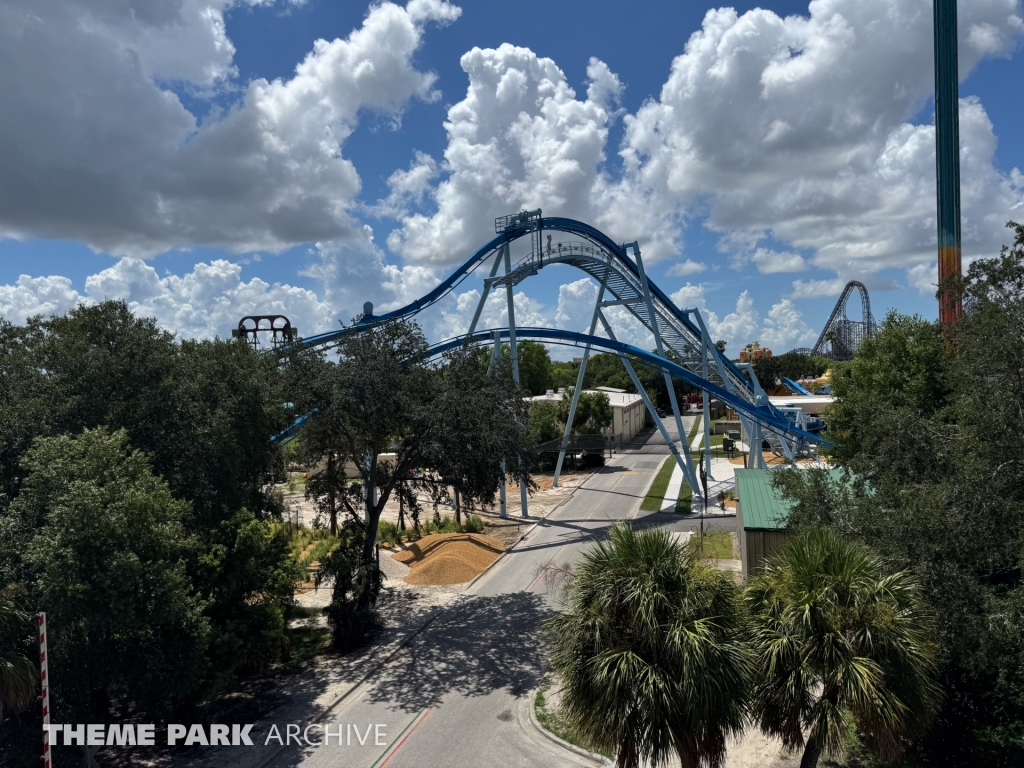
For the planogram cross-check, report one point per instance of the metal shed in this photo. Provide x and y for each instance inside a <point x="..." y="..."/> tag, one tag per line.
<point x="762" y="517"/>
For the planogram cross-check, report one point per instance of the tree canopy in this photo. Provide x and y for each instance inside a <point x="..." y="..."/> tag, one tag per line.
<point x="650" y="651"/>
<point x="927" y="424"/>
<point x="451" y="423"/>
<point x="841" y="641"/>
<point x="102" y="544"/>
<point x="136" y="506"/>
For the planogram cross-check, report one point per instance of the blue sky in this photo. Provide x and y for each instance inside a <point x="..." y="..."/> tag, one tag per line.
<point x="182" y="164"/>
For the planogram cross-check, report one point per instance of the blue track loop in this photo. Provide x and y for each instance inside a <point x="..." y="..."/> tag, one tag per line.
<point x="620" y="260"/>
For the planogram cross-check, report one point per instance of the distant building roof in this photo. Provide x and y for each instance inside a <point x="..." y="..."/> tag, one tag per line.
<point x="802" y="400"/>
<point x="762" y="508"/>
<point x="617" y="398"/>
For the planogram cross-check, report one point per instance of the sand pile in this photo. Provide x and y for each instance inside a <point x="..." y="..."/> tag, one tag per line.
<point x="449" y="558"/>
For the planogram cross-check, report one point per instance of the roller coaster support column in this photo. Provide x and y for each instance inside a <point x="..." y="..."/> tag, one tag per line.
<point x="756" y="458"/>
<point x="515" y="359"/>
<point x="579" y="388"/>
<point x="706" y="401"/>
<point x="686" y="466"/>
<point x="495" y="352"/>
<point x="661" y="349"/>
<point x="705" y="347"/>
<point x="483" y="297"/>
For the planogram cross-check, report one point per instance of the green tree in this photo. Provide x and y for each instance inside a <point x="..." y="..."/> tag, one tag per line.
<point x="545" y="422"/>
<point x="534" y="367"/>
<point x="19" y="679"/>
<point x="563" y="374"/>
<point x="795" y="365"/>
<point x="606" y="370"/>
<point x="452" y="423"/>
<point x="593" y="412"/>
<point x="768" y="371"/>
<point x="926" y="424"/>
<point x="101" y="545"/>
<point x="901" y="373"/>
<point x="204" y="411"/>
<point x="650" y="652"/>
<point x="841" y="642"/>
<point x="247" y="577"/>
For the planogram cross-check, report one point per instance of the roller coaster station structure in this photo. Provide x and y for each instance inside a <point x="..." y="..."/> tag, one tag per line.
<point x="684" y="349"/>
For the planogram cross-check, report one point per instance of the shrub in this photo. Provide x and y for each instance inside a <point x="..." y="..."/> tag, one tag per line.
<point x="474" y="524"/>
<point x="388" y="534"/>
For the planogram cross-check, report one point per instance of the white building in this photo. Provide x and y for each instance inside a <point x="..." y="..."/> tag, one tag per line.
<point x="813" y="405"/>
<point x="629" y="415"/>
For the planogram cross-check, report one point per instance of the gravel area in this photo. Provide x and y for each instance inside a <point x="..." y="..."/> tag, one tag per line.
<point x="539" y="503"/>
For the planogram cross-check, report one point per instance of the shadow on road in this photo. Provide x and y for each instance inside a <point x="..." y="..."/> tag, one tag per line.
<point x="474" y="647"/>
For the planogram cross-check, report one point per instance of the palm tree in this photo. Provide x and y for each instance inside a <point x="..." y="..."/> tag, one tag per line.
<point x="841" y="642"/>
<point x="650" y="652"/>
<point x="18" y="676"/>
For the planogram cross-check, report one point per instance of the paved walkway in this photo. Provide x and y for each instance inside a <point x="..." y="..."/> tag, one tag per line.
<point x="454" y="693"/>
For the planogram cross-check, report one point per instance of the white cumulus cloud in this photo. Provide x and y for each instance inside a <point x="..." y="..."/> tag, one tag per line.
<point x="687" y="267"/>
<point x="95" y="146"/>
<point x="523" y="139"/>
<point x="782" y="329"/>
<point x="797" y="127"/>
<point x="32" y="296"/>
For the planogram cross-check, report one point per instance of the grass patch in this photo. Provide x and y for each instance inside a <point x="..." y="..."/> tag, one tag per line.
<point x="656" y="495"/>
<point x="717" y="545"/>
<point x="694" y="429"/>
<point x="307" y="643"/>
<point x="685" y="503"/>
<point x="553" y="722"/>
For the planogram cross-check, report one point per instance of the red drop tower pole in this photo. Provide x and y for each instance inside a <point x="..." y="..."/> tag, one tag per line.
<point x="947" y="151"/>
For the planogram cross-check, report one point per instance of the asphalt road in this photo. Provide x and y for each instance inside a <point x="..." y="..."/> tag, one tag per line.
<point x="456" y="695"/>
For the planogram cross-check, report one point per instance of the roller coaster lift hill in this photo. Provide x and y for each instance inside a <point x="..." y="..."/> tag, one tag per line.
<point x="622" y="281"/>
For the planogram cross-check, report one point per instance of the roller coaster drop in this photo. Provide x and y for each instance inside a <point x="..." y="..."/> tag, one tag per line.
<point x="681" y="332"/>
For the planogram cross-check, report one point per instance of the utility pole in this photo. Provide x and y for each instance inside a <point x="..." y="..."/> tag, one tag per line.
<point x="947" y="151"/>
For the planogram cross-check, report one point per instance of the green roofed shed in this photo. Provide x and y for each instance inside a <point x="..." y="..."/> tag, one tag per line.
<point x="762" y="517"/>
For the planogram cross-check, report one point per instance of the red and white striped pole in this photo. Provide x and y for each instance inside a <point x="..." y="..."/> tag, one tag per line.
<point x="44" y="678"/>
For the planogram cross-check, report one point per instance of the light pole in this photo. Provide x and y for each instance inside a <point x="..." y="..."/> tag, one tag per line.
<point x="704" y="498"/>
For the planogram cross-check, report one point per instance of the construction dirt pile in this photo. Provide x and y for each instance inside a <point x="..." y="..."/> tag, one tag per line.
<point x="449" y="558"/>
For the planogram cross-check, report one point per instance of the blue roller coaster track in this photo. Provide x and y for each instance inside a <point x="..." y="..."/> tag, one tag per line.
<point x="685" y="350"/>
<point x="597" y="255"/>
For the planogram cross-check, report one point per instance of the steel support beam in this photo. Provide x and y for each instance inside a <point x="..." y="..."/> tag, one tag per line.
<point x="487" y="290"/>
<point x="706" y="402"/>
<point x="579" y="389"/>
<point x="684" y="464"/>
<point x="661" y="353"/>
<point x="515" y="361"/>
<point x="495" y="353"/>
